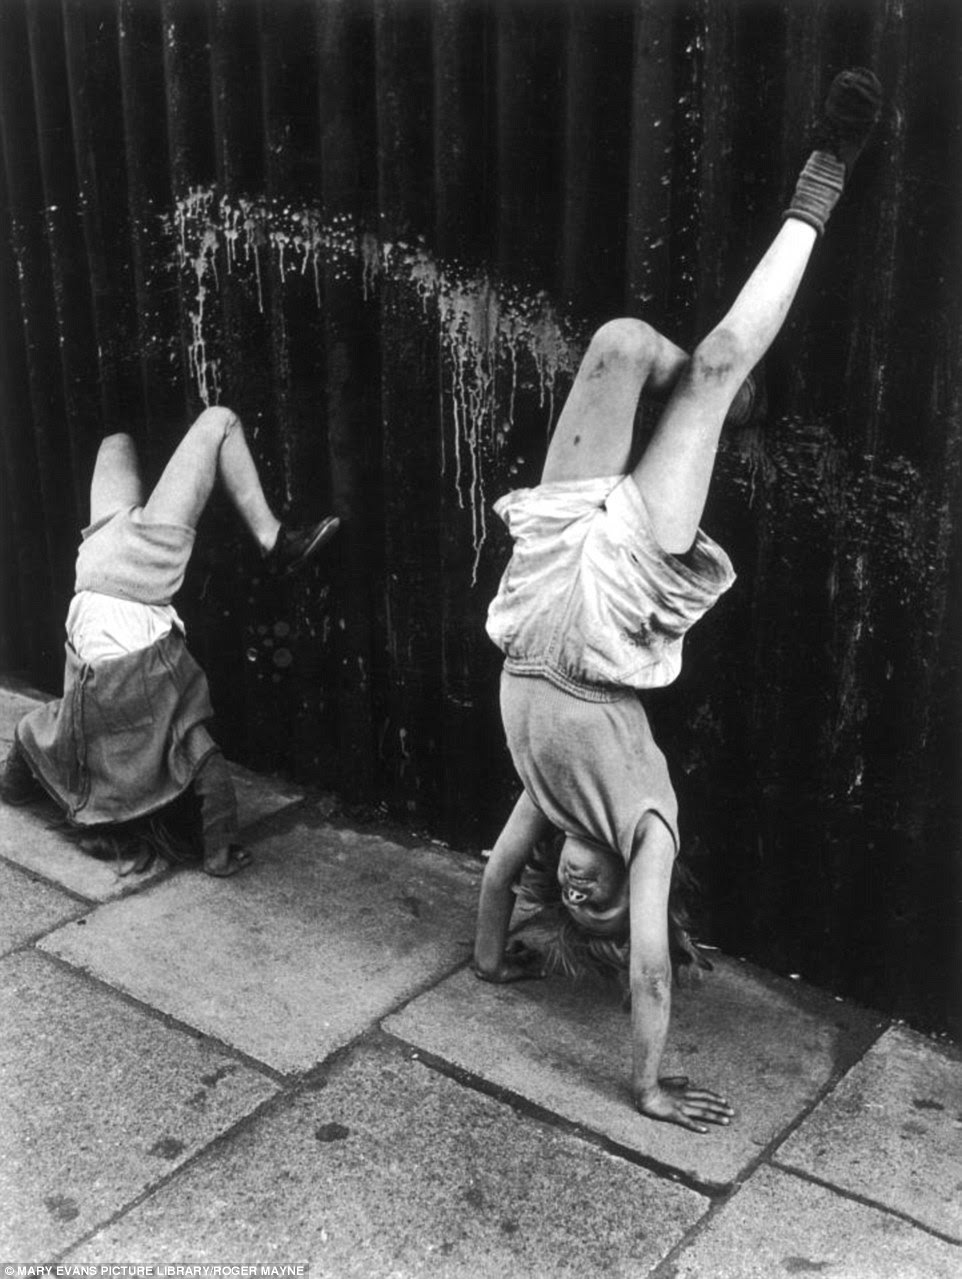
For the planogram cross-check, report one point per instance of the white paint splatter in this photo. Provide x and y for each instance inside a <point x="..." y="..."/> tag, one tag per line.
<point x="487" y="332"/>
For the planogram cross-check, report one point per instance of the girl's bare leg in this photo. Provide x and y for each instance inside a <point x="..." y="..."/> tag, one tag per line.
<point x="675" y="469"/>
<point x="214" y="447"/>
<point x="116" y="483"/>
<point x="593" y="434"/>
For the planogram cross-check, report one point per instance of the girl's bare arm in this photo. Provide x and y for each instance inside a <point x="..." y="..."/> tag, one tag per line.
<point x="523" y="828"/>
<point x="670" y="1099"/>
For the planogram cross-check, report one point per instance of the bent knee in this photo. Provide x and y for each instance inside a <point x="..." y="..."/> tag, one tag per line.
<point x="216" y="422"/>
<point x="624" y="341"/>
<point x="117" y="444"/>
<point x="718" y="361"/>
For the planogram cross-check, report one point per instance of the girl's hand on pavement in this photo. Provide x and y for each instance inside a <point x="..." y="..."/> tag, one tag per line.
<point x="519" y="963"/>
<point x="675" y="1101"/>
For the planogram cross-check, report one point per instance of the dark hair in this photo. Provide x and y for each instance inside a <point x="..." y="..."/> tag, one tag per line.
<point x="172" y="835"/>
<point x="573" y="951"/>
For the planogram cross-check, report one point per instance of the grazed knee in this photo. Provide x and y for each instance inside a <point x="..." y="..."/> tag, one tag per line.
<point x="622" y="343"/>
<point x="717" y="361"/>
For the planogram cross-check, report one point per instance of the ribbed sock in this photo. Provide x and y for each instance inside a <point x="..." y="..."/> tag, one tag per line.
<point x="817" y="191"/>
<point x="852" y="109"/>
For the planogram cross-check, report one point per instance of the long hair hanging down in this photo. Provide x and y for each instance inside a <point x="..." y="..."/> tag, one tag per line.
<point x="171" y="836"/>
<point x="572" y="952"/>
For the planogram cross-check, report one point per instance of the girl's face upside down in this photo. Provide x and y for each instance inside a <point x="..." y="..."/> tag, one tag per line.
<point x="594" y="887"/>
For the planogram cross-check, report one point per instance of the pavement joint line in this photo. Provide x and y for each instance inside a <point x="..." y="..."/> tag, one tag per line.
<point x="767" y="1153"/>
<point x="666" y="1268"/>
<point x="289" y="1088"/>
<point x="711" y="1190"/>
<point x="29" y="943"/>
<point x="128" y="890"/>
<point x="866" y="1202"/>
<point x="167" y="1019"/>
<point x="283" y="1096"/>
<point x="291" y="1079"/>
<point x="51" y="883"/>
<point x="318" y="1076"/>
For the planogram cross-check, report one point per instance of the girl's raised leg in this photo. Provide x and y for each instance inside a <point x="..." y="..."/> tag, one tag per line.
<point x="214" y="447"/>
<point x="674" y="471"/>
<point x="593" y="434"/>
<point x="116" y="483"/>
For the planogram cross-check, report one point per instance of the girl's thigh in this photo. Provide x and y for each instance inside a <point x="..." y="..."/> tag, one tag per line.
<point x="116" y="483"/>
<point x="594" y="432"/>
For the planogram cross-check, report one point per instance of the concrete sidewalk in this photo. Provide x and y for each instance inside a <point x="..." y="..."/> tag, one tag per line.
<point x="295" y="1065"/>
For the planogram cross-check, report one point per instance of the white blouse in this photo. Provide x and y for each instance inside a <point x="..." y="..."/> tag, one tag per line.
<point x="100" y="627"/>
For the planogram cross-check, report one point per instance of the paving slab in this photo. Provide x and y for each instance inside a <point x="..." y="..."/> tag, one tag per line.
<point x="768" y="1045"/>
<point x="98" y="1101"/>
<point x="29" y="838"/>
<point x="892" y="1131"/>
<point x="325" y="933"/>
<point x="780" y="1225"/>
<point x="29" y="907"/>
<point x="392" y="1169"/>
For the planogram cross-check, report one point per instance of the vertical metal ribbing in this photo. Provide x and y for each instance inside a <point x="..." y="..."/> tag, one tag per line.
<point x="529" y="59"/>
<point x="155" y="333"/>
<point x="409" y="404"/>
<point x="69" y="268"/>
<point x="243" y="256"/>
<point x="308" y="613"/>
<point x="650" y="211"/>
<point x="894" y="646"/>
<point x="31" y="310"/>
<point x="351" y="393"/>
<point x="240" y="607"/>
<point x="464" y="233"/>
<point x="28" y="624"/>
<point x="594" y="174"/>
<point x="185" y="36"/>
<point x="97" y="119"/>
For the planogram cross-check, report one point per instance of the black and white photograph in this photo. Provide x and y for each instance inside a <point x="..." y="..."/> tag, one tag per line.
<point x="480" y="636"/>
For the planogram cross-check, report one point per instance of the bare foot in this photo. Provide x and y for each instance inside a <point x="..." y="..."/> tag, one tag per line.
<point x="226" y="861"/>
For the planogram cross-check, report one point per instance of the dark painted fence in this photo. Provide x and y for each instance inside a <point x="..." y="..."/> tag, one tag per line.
<point x="381" y="230"/>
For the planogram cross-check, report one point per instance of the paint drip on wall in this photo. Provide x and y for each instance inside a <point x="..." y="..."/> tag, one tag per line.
<point x="493" y="337"/>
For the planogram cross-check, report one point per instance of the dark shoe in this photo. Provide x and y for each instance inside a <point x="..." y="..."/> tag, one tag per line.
<point x="294" y="547"/>
<point x="17" y="783"/>
<point x="852" y="109"/>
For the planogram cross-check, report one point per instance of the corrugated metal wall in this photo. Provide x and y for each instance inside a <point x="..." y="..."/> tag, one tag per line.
<point x="381" y="230"/>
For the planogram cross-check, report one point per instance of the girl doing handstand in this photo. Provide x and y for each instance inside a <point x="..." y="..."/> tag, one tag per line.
<point x="608" y="572"/>
<point x="130" y="733"/>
